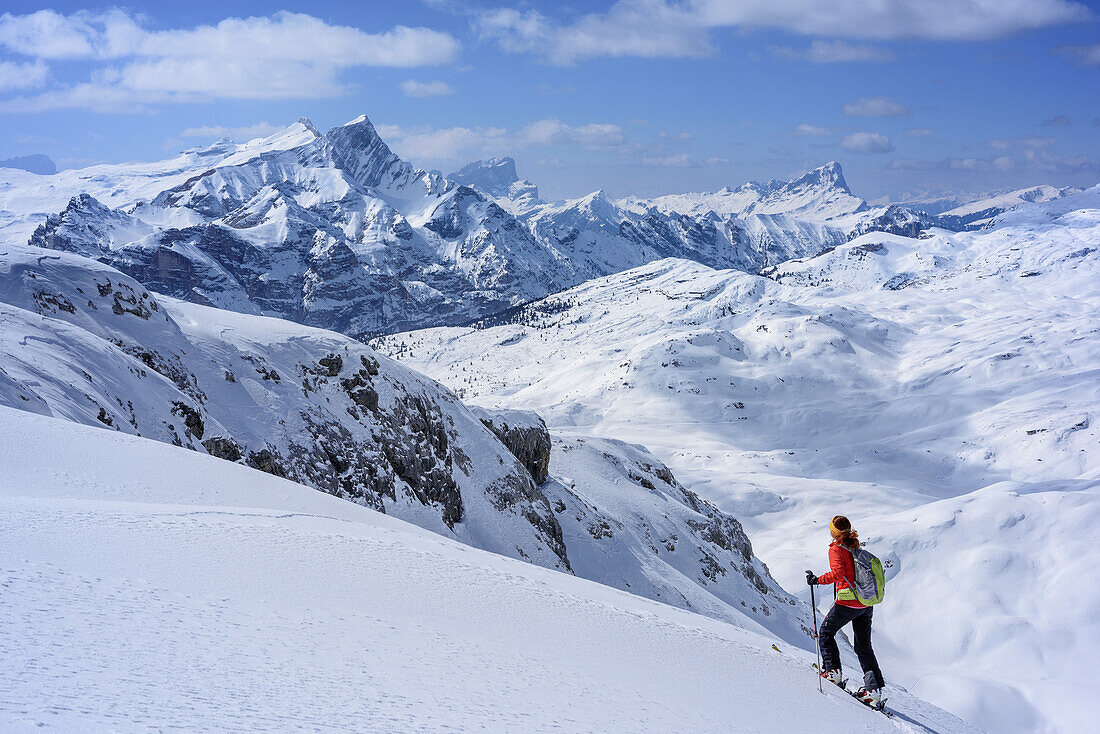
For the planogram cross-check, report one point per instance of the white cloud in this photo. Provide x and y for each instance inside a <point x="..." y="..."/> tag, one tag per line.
<point x="679" y="160"/>
<point x="464" y="143"/>
<point x="36" y="140"/>
<point x="284" y="56"/>
<point x="1084" y="55"/>
<point x="666" y="28"/>
<point x="918" y="132"/>
<point x="875" y="107"/>
<point x="929" y="19"/>
<point x="833" y="52"/>
<point x="413" y="88"/>
<point x="682" y="160"/>
<point x="47" y="34"/>
<point x="555" y="132"/>
<point x="812" y="130"/>
<point x="643" y="28"/>
<point x="867" y="143"/>
<point x="22" y="76"/>
<point x="283" y="36"/>
<point x="245" y="132"/>
<point x="1031" y="142"/>
<point x="446" y="144"/>
<point x="1036" y="158"/>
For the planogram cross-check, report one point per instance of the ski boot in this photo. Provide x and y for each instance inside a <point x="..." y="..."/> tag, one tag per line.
<point x="833" y="676"/>
<point x="870" y="696"/>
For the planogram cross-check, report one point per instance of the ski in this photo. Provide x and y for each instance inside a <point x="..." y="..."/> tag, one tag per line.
<point x="843" y="685"/>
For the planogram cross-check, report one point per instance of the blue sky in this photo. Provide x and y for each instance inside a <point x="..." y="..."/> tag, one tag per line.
<point x="635" y="96"/>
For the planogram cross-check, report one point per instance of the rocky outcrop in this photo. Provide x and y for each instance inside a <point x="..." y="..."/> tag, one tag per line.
<point x="525" y="435"/>
<point x="630" y="524"/>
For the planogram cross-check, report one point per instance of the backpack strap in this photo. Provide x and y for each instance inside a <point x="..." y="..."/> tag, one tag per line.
<point x="852" y="594"/>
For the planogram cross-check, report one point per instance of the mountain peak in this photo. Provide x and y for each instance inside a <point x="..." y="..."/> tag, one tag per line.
<point x="357" y="121"/>
<point x="356" y="148"/>
<point x="829" y="175"/>
<point x="37" y="163"/>
<point x="308" y="125"/>
<point x="493" y="176"/>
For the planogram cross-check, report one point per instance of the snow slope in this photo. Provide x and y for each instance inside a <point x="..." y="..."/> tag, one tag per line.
<point x="940" y="391"/>
<point x="148" y="588"/>
<point x="82" y="341"/>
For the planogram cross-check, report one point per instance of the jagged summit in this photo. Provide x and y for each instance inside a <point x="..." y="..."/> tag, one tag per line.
<point x="308" y="125"/>
<point x="830" y="174"/>
<point x="827" y="177"/>
<point x="821" y="194"/>
<point x="357" y="148"/>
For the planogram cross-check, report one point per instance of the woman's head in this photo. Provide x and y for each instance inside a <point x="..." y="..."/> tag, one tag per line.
<point x="841" y="528"/>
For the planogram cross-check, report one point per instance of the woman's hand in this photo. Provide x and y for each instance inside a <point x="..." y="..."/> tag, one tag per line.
<point x="811" y="579"/>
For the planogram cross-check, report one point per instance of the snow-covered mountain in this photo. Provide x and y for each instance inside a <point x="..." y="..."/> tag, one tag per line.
<point x="820" y="194"/>
<point x="81" y="341"/>
<point x="37" y="163"/>
<point x="27" y="199"/>
<point x="149" y="588"/>
<point x="497" y="177"/>
<point x="940" y="391"/>
<point x="334" y="230"/>
<point x="981" y="212"/>
<point x="748" y="228"/>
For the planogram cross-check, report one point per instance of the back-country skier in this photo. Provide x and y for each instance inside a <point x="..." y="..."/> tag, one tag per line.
<point x="848" y="608"/>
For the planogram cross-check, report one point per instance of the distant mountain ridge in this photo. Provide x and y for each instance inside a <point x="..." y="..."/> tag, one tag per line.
<point x="335" y="230"/>
<point x="38" y="163"/>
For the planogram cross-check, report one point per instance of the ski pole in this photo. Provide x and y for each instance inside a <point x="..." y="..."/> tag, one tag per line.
<point x="817" y="646"/>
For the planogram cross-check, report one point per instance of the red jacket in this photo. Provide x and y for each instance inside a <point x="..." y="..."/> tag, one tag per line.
<point x="841" y="567"/>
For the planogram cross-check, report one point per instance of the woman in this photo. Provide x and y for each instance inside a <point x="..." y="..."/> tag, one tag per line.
<point x="847" y="609"/>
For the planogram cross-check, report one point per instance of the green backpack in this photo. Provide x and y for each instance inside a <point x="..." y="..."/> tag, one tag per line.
<point x="870" y="584"/>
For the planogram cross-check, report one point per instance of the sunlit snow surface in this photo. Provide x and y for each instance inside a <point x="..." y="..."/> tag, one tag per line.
<point x="943" y="392"/>
<point x="148" y="588"/>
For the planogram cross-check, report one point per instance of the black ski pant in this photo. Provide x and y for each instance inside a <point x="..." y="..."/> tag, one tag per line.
<point x="860" y="617"/>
